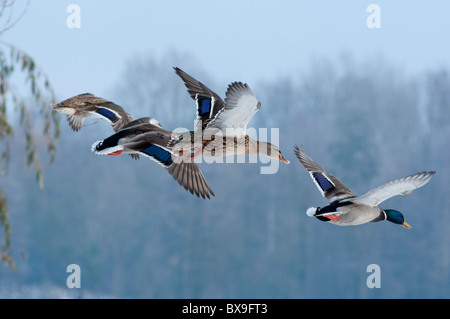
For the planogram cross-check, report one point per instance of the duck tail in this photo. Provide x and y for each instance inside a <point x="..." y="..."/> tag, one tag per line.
<point x="311" y="212"/>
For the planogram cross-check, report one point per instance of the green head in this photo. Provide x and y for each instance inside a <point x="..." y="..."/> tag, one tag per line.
<point x="396" y="217"/>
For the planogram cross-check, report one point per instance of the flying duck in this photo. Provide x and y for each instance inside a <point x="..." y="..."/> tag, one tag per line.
<point x="222" y="124"/>
<point x="347" y="209"/>
<point x="87" y="105"/>
<point x="145" y="136"/>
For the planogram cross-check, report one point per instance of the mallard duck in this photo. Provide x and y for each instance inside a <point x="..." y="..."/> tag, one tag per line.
<point x="222" y="125"/>
<point x="145" y="136"/>
<point x="87" y="105"/>
<point x="345" y="208"/>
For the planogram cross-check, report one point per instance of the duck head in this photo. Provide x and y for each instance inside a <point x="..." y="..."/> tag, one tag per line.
<point x="273" y="151"/>
<point x="396" y="217"/>
<point x="75" y="102"/>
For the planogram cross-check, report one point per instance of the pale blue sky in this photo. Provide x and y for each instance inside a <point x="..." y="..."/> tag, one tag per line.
<point x="233" y="40"/>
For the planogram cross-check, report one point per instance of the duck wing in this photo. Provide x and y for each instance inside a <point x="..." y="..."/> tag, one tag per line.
<point x="401" y="186"/>
<point x="241" y="105"/>
<point x="330" y="187"/>
<point x="113" y="113"/>
<point x="191" y="178"/>
<point x="208" y="102"/>
<point x="153" y="144"/>
<point x="187" y="174"/>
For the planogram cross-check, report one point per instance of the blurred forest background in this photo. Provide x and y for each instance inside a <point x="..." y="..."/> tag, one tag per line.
<point x="137" y="234"/>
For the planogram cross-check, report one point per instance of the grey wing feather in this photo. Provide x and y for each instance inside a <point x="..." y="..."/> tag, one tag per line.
<point x="75" y="121"/>
<point x="241" y="105"/>
<point x="191" y="178"/>
<point x="401" y="186"/>
<point x="195" y="87"/>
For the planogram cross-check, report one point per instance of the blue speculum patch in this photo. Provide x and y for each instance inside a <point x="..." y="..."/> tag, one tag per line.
<point x="159" y="154"/>
<point x="323" y="182"/>
<point x="204" y="106"/>
<point x="106" y="113"/>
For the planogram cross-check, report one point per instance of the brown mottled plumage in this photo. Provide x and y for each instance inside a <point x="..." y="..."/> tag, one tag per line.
<point x="87" y="105"/>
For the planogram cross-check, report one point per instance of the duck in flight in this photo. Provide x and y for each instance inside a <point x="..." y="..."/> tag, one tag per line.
<point x="223" y="124"/>
<point x="87" y="105"/>
<point x="143" y="136"/>
<point x="146" y="137"/>
<point x="347" y="209"/>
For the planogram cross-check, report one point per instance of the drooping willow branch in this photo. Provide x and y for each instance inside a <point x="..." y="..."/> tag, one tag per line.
<point x="29" y="99"/>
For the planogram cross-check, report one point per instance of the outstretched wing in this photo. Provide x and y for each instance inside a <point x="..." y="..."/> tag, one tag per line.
<point x="191" y="178"/>
<point x="401" y="186"/>
<point x="186" y="174"/>
<point x="240" y="106"/>
<point x="208" y="102"/>
<point x="152" y="144"/>
<point x="330" y="187"/>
